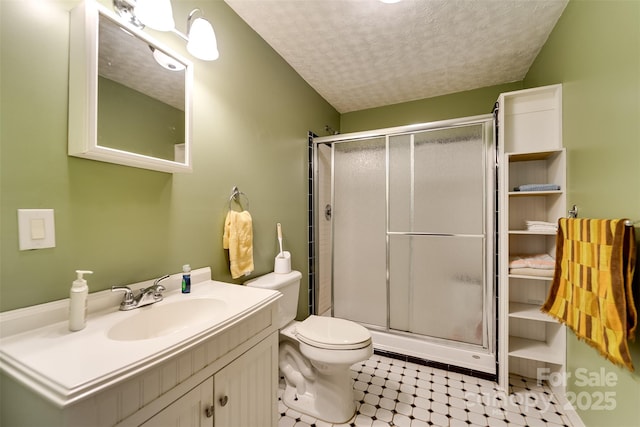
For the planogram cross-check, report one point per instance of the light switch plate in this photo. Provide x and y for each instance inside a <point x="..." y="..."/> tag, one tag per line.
<point x="36" y="229"/>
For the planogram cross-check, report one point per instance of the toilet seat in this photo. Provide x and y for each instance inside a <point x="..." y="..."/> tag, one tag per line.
<point x="333" y="333"/>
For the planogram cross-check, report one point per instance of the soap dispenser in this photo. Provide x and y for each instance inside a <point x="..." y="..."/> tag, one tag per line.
<point x="78" y="301"/>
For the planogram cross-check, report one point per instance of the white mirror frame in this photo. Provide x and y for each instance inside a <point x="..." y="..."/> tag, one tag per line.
<point x="83" y="93"/>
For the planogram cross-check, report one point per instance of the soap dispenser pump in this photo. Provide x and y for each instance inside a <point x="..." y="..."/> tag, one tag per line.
<point x="78" y="301"/>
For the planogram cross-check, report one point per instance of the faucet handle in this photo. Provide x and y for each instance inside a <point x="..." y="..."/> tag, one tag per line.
<point x="128" y="299"/>
<point x="158" y="280"/>
<point x="128" y="293"/>
<point x="157" y="287"/>
<point x="157" y="291"/>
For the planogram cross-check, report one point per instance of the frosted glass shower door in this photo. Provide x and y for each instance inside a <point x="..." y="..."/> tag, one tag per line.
<point x="437" y="233"/>
<point x="359" y="225"/>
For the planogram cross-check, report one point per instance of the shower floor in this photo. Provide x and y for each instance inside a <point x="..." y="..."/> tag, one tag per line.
<point x="391" y="392"/>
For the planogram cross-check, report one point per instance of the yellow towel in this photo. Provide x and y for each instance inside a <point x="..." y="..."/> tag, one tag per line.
<point x="238" y="238"/>
<point x="591" y="289"/>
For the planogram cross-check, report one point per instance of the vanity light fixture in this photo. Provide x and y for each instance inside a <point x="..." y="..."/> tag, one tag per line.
<point x="201" y="41"/>
<point x="124" y="9"/>
<point x="166" y="61"/>
<point x="158" y="14"/>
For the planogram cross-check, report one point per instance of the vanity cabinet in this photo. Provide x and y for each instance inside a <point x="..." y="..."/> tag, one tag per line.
<point x="531" y="343"/>
<point x="221" y="371"/>
<point x="192" y="409"/>
<point x="246" y="389"/>
<point x="240" y="394"/>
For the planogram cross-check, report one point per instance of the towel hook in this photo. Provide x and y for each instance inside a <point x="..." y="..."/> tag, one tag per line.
<point x="236" y="196"/>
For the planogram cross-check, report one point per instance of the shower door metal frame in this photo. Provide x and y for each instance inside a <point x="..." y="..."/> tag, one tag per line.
<point x="489" y="160"/>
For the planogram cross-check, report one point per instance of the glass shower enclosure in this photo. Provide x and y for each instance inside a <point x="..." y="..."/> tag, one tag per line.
<point x="404" y="237"/>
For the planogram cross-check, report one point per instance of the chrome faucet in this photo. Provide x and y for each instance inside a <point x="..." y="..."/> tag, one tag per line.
<point x="147" y="296"/>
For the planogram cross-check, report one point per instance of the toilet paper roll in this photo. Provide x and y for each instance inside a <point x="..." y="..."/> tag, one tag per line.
<point x="283" y="263"/>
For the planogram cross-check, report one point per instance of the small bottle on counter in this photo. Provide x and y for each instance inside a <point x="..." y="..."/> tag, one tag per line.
<point x="186" y="279"/>
<point x="78" y="302"/>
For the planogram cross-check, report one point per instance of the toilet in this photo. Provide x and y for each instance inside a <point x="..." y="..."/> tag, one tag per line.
<point x="316" y="354"/>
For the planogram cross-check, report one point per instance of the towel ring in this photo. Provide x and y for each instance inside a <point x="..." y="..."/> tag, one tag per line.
<point x="236" y="196"/>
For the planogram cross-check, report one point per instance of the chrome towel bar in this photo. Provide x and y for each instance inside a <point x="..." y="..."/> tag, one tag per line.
<point x="573" y="213"/>
<point x="236" y="196"/>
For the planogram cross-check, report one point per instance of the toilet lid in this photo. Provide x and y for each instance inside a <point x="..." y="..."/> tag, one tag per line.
<point x="332" y="333"/>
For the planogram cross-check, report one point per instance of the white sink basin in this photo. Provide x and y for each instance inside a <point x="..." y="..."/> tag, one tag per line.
<point x="160" y="319"/>
<point x="37" y="345"/>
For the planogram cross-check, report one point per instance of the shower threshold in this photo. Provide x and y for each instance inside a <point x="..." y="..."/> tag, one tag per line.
<point x="475" y="360"/>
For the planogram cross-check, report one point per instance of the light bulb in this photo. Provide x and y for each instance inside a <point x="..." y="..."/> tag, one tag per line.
<point x="156" y="14"/>
<point x="202" y="40"/>
<point x="166" y="61"/>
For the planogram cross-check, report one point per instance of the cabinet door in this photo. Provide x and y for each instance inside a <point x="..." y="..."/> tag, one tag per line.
<point x="190" y="410"/>
<point x="246" y="390"/>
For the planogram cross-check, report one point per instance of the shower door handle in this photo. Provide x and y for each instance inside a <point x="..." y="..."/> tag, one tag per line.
<point x="327" y="212"/>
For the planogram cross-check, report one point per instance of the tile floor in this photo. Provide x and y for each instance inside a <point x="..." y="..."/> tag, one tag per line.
<point x="390" y="392"/>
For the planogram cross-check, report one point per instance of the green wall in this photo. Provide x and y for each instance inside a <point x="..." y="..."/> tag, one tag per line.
<point x="594" y="51"/>
<point x="252" y="113"/>
<point x="463" y="104"/>
<point x="132" y="121"/>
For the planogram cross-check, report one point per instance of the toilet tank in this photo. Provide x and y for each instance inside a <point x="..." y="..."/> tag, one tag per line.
<point x="289" y="285"/>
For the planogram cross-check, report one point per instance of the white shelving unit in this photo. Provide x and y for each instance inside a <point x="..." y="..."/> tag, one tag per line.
<point x="530" y="152"/>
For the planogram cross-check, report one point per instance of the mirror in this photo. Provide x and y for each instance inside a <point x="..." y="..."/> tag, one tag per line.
<point x="129" y="96"/>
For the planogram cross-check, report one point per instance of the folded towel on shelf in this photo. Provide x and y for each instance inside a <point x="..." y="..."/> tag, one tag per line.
<point x="541" y="226"/>
<point x="537" y="261"/>
<point x="238" y="238"/>
<point x="537" y="187"/>
<point x="591" y="288"/>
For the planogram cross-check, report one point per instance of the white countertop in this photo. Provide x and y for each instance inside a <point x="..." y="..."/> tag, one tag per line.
<point x="66" y="366"/>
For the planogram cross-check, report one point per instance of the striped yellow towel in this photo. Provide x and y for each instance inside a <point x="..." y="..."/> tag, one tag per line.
<point x="591" y="289"/>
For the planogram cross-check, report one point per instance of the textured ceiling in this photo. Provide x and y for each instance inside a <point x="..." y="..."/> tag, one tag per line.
<point x="129" y="61"/>
<point x="361" y="54"/>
